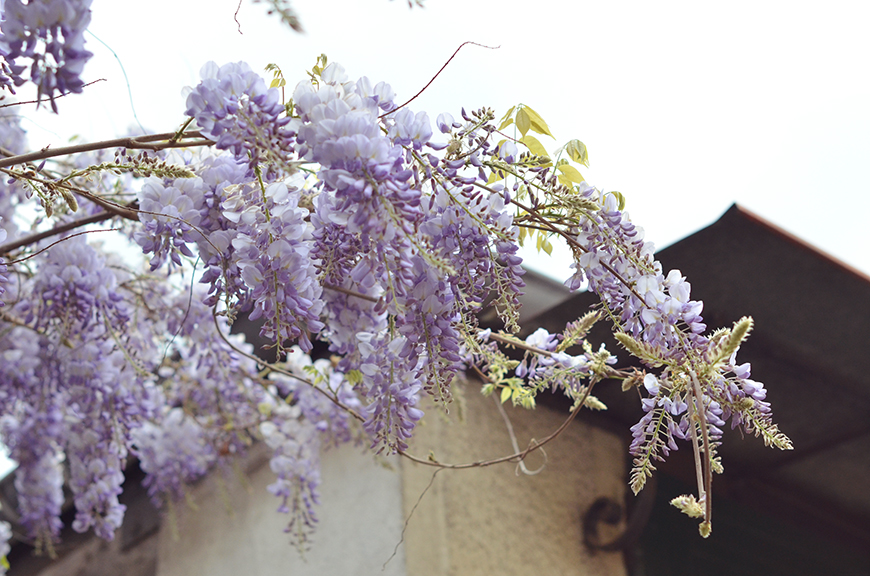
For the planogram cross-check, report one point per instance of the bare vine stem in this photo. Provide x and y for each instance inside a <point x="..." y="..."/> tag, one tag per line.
<point x="145" y="142"/>
<point x="514" y="444"/>
<point x="33" y="238"/>
<point x="708" y="467"/>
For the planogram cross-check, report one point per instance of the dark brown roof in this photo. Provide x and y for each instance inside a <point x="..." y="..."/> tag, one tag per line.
<point x="810" y="347"/>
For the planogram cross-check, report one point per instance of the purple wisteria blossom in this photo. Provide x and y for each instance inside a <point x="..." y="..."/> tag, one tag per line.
<point x="170" y="216"/>
<point x="233" y="107"/>
<point x="33" y="441"/>
<point x="50" y="35"/>
<point x="701" y="384"/>
<point x="272" y="252"/>
<point x="172" y="454"/>
<point x="618" y="265"/>
<point x="296" y="463"/>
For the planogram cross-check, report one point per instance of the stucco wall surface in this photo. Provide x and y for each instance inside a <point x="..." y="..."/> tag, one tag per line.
<point x="240" y="534"/>
<point x="492" y="520"/>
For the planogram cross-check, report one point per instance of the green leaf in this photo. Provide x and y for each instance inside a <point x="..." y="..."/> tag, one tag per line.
<point x="524" y="122"/>
<point x="571" y="173"/>
<point x="538" y="124"/>
<point x="505" y="395"/>
<point x="577" y="152"/>
<point x="506" y="123"/>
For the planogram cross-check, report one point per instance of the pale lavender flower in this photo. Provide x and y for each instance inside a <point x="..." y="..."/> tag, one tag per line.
<point x="49" y="33"/>
<point x="233" y="106"/>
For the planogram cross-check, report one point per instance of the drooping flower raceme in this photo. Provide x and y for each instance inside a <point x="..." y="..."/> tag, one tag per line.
<point x="233" y="106"/>
<point x="172" y="454"/>
<point x="48" y="35"/>
<point x="701" y="384"/>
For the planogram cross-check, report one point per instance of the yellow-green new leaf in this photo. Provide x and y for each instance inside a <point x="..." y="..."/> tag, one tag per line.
<point x="538" y="124"/>
<point x="353" y="377"/>
<point x="620" y="198"/>
<point x="534" y="145"/>
<point x="577" y="152"/>
<point x="571" y="173"/>
<point x="548" y="248"/>
<point x="507" y="116"/>
<point x="524" y="122"/>
<point x="522" y="236"/>
<point x="495" y="176"/>
<point x="544" y="243"/>
<point x="505" y="394"/>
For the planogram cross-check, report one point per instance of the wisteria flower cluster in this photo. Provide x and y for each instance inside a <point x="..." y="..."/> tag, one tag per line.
<point x="47" y="36"/>
<point x="341" y="217"/>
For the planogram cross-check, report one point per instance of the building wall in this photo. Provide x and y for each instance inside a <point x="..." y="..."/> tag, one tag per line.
<point x="236" y="532"/>
<point x="494" y="520"/>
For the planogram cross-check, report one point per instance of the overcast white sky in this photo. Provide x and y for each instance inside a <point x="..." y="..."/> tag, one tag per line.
<point x="686" y="107"/>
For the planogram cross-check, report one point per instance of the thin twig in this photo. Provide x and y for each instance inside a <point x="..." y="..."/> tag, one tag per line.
<point x="236" y="17"/>
<point x="279" y="370"/>
<point x="534" y="445"/>
<point x="571" y="241"/>
<point x="118" y="209"/>
<point x="56" y="97"/>
<point x="518" y="344"/>
<point x="437" y="74"/>
<point x="408" y="519"/>
<point x="514" y="444"/>
<point x="350" y="292"/>
<point x="29" y="256"/>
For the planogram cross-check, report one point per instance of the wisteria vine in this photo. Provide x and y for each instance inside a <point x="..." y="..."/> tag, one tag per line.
<point x="339" y="216"/>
